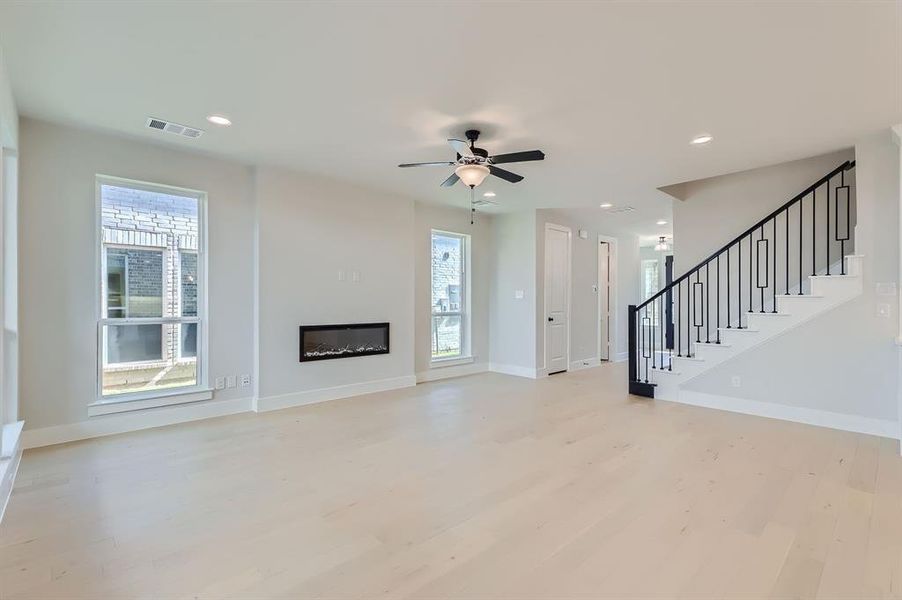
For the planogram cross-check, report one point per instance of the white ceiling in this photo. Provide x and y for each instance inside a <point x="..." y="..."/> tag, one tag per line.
<point x="612" y="92"/>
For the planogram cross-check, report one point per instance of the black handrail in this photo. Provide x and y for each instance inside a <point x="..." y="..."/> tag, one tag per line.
<point x="849" y="164"/>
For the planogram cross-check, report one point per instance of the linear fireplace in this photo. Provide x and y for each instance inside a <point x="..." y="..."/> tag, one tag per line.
<point x="324" y="342"/>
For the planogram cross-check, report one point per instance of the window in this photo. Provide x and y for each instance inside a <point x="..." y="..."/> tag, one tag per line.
<point x="151" y="281"/>
<point x="450" y="333"/>
<point x="651" y="279"/>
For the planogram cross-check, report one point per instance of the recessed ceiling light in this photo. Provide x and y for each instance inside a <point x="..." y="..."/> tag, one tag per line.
<point x="702" y="138"/>
<point x="489" y="194"/>
<point x="605" y="205"/>
<point x="661" y="222"/>
<point x="219" y="120"/>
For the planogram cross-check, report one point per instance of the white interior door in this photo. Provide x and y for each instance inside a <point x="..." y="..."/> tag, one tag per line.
<point x="604" y="300"/>
<point x="557" y="298"/>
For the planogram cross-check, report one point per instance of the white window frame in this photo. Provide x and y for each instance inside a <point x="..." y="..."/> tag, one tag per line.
<point x="178" y="284"/>
<point x="151" y="398"/>
<point x="122" y="321"/>
<point x="465" y="355"/>
<point x="646" y="294"/>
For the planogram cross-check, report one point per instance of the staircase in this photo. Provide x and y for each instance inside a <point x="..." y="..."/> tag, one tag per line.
<point x="784" y="270"/>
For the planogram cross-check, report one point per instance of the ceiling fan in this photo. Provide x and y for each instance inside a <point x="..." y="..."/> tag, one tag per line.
<point x="474" y="164"/>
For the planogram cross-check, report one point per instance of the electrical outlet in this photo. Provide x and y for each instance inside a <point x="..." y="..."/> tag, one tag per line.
<point x="736" y="381"/>
<point x="883" y="310"/>
<point x="230" y="381"/>
<point x="245" y="380"/>
<point x="355" y="276"/>
<point x="518" y="294"/>
<point x="220" y="383"/>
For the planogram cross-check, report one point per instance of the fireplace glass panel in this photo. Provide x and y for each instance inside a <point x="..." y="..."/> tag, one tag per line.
<point x="322" y="342"/>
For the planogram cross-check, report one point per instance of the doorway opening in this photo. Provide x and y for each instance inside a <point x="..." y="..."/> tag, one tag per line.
<point x="607" y="298"/>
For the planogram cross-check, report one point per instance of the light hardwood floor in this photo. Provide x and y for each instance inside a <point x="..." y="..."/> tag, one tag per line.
<point x="488" y="486"/>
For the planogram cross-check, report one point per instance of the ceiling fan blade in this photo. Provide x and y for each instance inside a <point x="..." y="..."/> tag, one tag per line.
<point x="518" y="157"/>
<point x="428" y="164"/>
<point x="451" y="180"/>
<point x="505" y="175"/>
<point x="461" y="147"/>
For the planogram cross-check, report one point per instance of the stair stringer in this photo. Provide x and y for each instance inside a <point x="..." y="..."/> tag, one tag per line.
<point x="793" y="310"/>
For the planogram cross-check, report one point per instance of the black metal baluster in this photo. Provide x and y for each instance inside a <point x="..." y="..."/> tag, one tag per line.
<point x="762" y="241"/>
<point x="828" y="226"/>
<point x="717" y="329"/>
<point x="787" y="252"/>
<point x="651" y="336"/>
<point x="707" y="302"/>
<point x="645" y="353"/>
<point x="813" y="236"/>
<point x="739" y="283"/>
<point x="678" y="323"/>
<point x="670" y="349"/>
<point x="758" y="265"/>
<point x="661" y="322"/>
<point x="729" y="321"/>
<point x="698" y="290"/>
<point x="751" y="308"/>
<point x="842" y="241"/>
<point x="801" y="205"/>
<point x="690" y="309"/>
<point x="774" y="287"/>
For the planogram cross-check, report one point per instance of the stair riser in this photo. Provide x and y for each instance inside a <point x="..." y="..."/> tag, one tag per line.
<point x="836" y="288"/>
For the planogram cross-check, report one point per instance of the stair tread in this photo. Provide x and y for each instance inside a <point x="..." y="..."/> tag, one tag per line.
<point x="770" y="314"/>
<point x="689" y="358"/>
<point x="715" y="344"/>
<point x="798" y="296"/>
<point x="834" y="276"/>
<point x="744" y="329"/>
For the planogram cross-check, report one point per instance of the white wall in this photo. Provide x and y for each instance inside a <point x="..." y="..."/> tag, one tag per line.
<point x="9" y="117"/>
<point x="844" y="361"/>
<point x="584" y="275"/>
<point x="309" y="229"/>
<point x="512" y="327"/>
<point x="713" y="211"/>
<point x="57" y="268"/>
<point x="457" y="220"/>
<point x="9" y="343"/>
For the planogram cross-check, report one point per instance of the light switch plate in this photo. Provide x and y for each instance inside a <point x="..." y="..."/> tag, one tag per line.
<point x="230" y="381"/>
<point x="886" y="288"/>
<point x="883" y="310"/>
<point x="220" y="383"/>
<point x="518" y="294"/>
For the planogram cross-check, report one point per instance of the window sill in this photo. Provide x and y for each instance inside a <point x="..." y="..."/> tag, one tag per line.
<point x="148" y="400"/>
<point x="438" y="363"/>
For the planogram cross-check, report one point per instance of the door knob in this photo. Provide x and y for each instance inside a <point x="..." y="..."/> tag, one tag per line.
<point x="550" y="319"/>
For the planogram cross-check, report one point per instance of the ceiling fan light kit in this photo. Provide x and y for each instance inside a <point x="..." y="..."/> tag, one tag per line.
<point x="472" y="175"/>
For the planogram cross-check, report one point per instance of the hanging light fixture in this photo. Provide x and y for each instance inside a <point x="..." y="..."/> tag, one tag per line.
<point x="472" y="175"/>
<point x="662" y="245"/>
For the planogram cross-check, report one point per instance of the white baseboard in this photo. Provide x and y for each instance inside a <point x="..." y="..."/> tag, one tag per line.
<point x="809" y="416"/>
<point x="132" y="421"/>
<point x="438" y="373"/>
<point x="12" y="451"/>
<point x="333" y="393"/>
<point x="585" y="363"/>
<point x="515" y="370"/>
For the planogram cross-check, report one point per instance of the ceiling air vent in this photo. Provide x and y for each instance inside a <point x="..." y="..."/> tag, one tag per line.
<point x="168" y="127"/>
<point x="621" y="209"/>
<point x="484" y="202"/>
